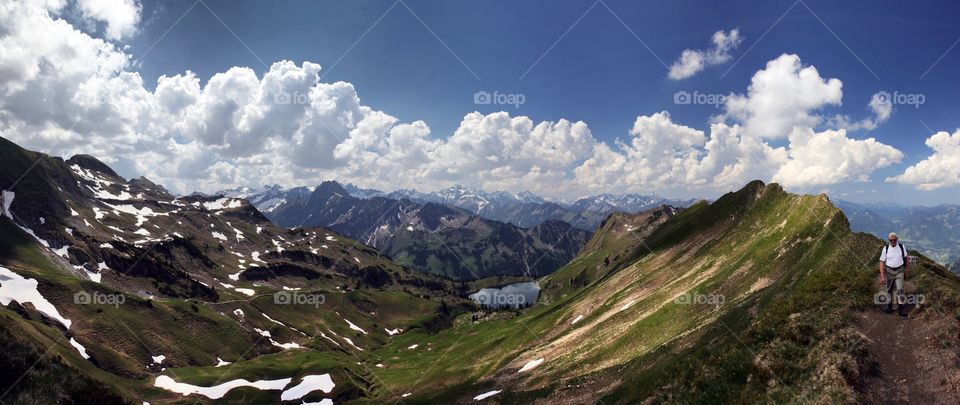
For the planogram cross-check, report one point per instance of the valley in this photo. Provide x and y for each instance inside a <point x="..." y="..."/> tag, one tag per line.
<point x="135" y="295"/>
<point x="935" y="231"/>
<point x="435" y="238"/>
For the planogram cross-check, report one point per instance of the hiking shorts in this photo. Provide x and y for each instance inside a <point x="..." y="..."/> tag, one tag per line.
<point x="895" y="285"/>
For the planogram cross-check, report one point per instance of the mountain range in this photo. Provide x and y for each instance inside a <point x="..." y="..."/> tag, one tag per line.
<point x="435" y="238"/>
<point x="935" y="231"/>
<point x="266" y="198"/>
<point x="117" y="291"/>
<point x="523" y="209"/>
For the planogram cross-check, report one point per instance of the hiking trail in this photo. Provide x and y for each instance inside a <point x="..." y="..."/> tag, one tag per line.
<point x="911" y="360"/>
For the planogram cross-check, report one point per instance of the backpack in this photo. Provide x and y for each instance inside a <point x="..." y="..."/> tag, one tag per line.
<point x="903" y="252"/>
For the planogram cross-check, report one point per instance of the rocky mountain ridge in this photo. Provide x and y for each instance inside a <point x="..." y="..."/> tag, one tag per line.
<point x="524" y="209"/>
<point x="436" y="238"/>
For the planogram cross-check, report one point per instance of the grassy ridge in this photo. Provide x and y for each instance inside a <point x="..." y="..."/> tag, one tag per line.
<point x="792" y="274"/>
<point x="610" y="248"/>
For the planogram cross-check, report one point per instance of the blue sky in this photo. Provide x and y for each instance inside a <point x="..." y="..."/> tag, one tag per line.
<point x="580" y="60"/>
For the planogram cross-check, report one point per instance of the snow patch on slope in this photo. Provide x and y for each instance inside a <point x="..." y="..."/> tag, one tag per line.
<point x="355" y="327"/>
<point x="309" y="384"/>
<point x="532" y="364"/>
<point x="30" y="232"/>
<point x="62" y="252"/>
<point x="7" y="198"/>
<point x="222" y="204"/>
<point x="218" y="391"/>
<point x="80" y="348"/>
<point x="486" y="395"/>
<point x="14" y="287"/>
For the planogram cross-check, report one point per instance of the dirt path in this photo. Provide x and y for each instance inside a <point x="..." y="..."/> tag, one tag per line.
<point x="912" y="360"/>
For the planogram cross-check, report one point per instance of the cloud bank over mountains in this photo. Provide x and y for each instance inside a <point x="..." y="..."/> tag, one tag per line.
<point x="65" y="91"/>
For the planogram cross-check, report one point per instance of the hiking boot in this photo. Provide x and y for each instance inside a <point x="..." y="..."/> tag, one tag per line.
<point x="902" y="313"/>
<point x="889" y="309"/>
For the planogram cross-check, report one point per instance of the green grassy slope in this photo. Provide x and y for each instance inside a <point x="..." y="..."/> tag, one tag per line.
<point x="791" y="276"/>
<point x="618" y="236"/>
<point x="176" y="298"/>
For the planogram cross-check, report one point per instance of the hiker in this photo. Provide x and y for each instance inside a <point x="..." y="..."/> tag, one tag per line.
<point x="894" y="265"/>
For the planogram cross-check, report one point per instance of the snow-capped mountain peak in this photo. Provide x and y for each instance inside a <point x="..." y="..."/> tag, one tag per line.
<point x="266" y="198"/>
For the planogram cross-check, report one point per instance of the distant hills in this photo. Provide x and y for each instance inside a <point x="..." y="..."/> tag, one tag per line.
<point x="433" y="237"/>
<point x="458" y="232"/>
<point x="523" y="209"/>
<point x="266" y="198"/>
<point x="934" y="231"/>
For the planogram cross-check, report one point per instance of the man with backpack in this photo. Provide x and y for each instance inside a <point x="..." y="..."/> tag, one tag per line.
<point x="894" y="265"/>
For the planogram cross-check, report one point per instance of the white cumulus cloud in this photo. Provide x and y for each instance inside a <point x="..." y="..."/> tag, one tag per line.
<point x="66" y="92"/>
<point x="880" y="105"/>
<point x="939" y="170"/>
<point x="829" y="157"/>
<point x="693" y="61"/>
<point x="731" y="159"/>
<point x="119" y="16"/>
<point x="782" y="96"/>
